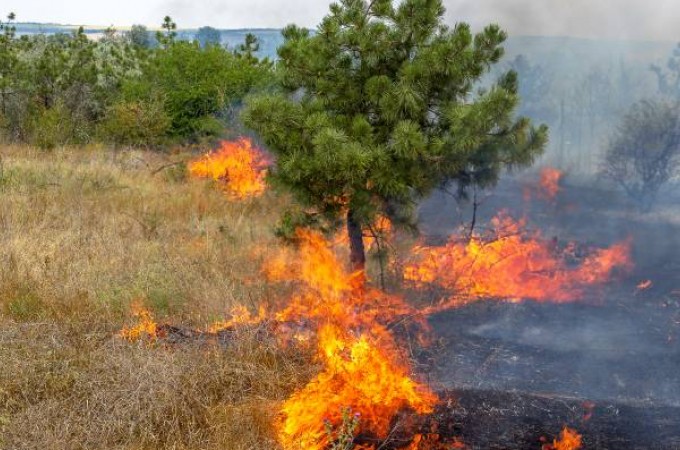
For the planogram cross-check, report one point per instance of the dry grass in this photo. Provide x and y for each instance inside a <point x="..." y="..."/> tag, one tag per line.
<point x="83" y="234"/>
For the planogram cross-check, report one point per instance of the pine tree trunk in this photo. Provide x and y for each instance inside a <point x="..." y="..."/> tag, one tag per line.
<point x="357" y="252"/>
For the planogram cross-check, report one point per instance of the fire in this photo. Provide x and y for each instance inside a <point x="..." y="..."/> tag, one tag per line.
<point x="550" y="182"/>
<point x="240" y="315"/>
<point x="380" y="229"/>
<point x="513" y="263"/>
<point x="145" y="328"/>
<point x="359" y="374"/>
<point x="238" y="165"/>
<point x="363" y="368"/>
<point x="569" y="440"/>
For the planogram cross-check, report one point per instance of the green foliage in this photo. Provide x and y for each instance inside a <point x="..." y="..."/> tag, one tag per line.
<point x="52" y="127"/>
<point x="68" y="89"/>
<point x="167" y="37"/>
<point x="378" y="108"/>
<point x="137" y="122"/>
<point x="197" y="84"/>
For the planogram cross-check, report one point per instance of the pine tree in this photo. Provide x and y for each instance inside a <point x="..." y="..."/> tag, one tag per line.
<point x="381" y="105"/>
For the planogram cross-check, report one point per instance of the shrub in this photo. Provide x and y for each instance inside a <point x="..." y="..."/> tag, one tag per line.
<point x="135" y="122"/>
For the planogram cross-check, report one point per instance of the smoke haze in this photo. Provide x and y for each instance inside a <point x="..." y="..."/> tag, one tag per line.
<point x="613" y="19"/>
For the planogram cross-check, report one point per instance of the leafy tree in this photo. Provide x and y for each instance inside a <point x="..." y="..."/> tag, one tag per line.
<point x="377" y="108"/>
<point x="8" y="60"/>
<point x="249" y="48"/>
<point x="196" y="84"/>
<point x="208" y="36"/>
<point x="167" y="37"/>
<point x="644" y="154"/>
<point x="139" y="36"/>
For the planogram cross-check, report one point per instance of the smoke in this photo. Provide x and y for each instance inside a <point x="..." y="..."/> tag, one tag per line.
<point x="610" y="19"/>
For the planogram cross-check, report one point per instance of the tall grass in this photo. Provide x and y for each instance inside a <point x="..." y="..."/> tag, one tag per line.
<point x="83" y="234"/>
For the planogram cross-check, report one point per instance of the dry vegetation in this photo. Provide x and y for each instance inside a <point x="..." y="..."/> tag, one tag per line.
<point x="85" y="233"/>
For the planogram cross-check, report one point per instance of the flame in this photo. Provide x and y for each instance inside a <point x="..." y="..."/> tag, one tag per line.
<point x="363" y="368"/>
<point x="240" y="167"/>
<point x="359" y="374"/>
<point x="550" y="182"/>
<point x="433" y="442"/>
<point x="513" y="263"/>
<point x="145" y="328"/>
<point x="240" y="315"/>
<point x="569" y="440"/>
<point x="381" y="229"/>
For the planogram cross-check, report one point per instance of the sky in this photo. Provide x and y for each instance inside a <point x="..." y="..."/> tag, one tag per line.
<point x="613" y="19"/>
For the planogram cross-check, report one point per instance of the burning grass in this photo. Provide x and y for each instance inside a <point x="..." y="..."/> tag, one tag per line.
<point x="90" y="235"/>
<point x="238" y="166"/>
<point x="84" y="234"/>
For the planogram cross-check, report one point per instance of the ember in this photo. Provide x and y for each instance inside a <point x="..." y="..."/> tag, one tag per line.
<point x="240" y="167"/>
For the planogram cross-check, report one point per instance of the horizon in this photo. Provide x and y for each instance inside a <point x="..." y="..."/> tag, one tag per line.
<point x="619" y="20"/>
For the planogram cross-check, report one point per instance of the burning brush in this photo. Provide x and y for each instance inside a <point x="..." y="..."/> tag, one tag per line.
<point x="238" y="166"/>
<point x="366" y="380"/>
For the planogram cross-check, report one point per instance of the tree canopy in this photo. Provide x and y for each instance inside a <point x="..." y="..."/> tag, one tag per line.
<point x="644" y="153"/>
<point x="381" y="105"/>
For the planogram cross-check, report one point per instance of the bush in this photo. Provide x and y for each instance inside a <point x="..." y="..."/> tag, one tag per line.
<point x="644" y="154"/>
<point x="136" y="122"/>
<point x="56" y="126"/>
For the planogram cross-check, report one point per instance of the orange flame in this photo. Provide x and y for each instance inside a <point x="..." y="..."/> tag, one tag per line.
<point x="513" y="263"/>
<point x="240" y="315"/>
<point x="363" y="368"/>
<point x="145" y="328"/>
<point x="569" y="440"/>
<point x="358" y="374"/>
<point x="381" y="229"/>
<point x="238" y="165"/>
<point x="550" y="182"/>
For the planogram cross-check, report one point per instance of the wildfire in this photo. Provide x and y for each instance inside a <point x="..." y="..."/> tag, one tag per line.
<point x="363" y="368"/>
<point x="145" y="328"/>
<point x="381" y="229"/>
<point x="513" y="263"/>
<point x="358" y="374"/>
<point x="240" y="167"/>
<point x="550" y="182"/>
<point x="569" y="440"/>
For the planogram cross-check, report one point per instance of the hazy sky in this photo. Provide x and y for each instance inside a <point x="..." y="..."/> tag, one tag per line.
<point x="637" y="19"/>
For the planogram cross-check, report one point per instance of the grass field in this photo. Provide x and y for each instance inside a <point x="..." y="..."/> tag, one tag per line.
<point x="84" y="234"/>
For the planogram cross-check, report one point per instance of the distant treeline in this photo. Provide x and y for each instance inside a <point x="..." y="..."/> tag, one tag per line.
<point x="130" y="88"/>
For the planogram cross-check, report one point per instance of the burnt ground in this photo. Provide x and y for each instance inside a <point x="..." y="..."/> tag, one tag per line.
<point x="521" y="371"/>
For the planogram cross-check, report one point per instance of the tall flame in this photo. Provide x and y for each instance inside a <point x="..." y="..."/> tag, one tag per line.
<point x="363" y="367"/>
<point x="513" y="263"/>
<point x="240" y="167"/>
